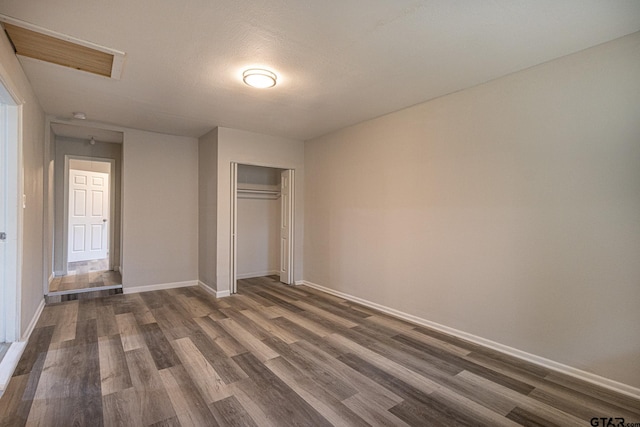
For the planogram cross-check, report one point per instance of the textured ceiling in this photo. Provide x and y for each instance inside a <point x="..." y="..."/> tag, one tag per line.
<point x="339" y="62"/>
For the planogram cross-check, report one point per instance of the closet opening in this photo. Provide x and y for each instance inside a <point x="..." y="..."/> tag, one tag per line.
<point x="262" y="224"/>
<point x="84" y="192"/>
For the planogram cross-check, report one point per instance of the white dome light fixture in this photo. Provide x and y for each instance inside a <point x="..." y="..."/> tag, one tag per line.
<point x="259" y="78"/>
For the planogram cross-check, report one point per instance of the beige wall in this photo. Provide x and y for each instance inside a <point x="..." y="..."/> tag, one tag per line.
<point x="160" y="209"/>
<point x="78" y="147"/>
<point x="510" y="211"/>
<point x="207" y="207"/>
<point x="258" y="237"/>
<point x="258" y="177"/>
<point x="90" y="166"/>
<point x="33" y="122"/>
<point x="263" y="150"/>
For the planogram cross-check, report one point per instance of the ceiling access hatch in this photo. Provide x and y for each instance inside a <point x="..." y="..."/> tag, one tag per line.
<point x="31" y="41"/>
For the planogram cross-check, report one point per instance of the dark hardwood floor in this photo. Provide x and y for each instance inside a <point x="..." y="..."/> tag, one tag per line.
<point x="274" y="355"/>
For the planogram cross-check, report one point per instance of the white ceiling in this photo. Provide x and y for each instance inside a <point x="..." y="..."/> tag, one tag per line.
<point x="339" y="62"/>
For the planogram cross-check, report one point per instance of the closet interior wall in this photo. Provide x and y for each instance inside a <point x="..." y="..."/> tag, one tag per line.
<point x="258" y="223"/>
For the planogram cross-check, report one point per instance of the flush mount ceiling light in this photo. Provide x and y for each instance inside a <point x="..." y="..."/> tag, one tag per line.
<point x="79" y="115"/>
<point x="259" y="78"/>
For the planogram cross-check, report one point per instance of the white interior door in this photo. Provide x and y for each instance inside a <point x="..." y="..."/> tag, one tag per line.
<point x="11" y="205"/>
<point x="88" y="215"/>
<point x="286" y="226"/>
<point x="233" y="250"/>
<point x="3" y="206"/>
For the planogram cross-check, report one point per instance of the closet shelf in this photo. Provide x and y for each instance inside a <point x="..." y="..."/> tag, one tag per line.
<point x="249" y="193"/>
<point x="250" y="190"/>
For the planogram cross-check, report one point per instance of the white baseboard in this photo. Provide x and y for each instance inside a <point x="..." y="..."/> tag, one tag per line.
<point x="217" y="294"/>
<point x="12" y="357"/>
<point x="10" y="362"/>
<point x="34" y="320"/>
<point x="158" y="287"/>
<point x="257" y="274"/>
<point x="532" y="358"/>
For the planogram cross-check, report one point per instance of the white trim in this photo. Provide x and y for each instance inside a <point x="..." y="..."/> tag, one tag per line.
<point x="34" y="321"/>
<point x="290" y="207"/>
<point x="233" y="226"/>
<point x="257" y="274"/>
<point x="12" y="96"/>
<point x="13" y="192"/>
<point x="51" y="277"/>
<point x="217" y="294"/>
<point x="112" y="208"/>
<point x="523" y="355"/>
<point x="10" y="362"/>
<point x="158" y="287"/>
<point x="12" y="357"/>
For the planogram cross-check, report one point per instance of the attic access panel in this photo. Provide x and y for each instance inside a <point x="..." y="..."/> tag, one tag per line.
<point x="38" y="43"/>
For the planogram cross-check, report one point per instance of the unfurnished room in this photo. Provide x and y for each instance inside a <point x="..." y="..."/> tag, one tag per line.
<point x="312" y="213"/>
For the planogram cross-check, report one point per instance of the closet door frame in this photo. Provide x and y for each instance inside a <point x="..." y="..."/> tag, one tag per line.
<point x="233" y="244"/>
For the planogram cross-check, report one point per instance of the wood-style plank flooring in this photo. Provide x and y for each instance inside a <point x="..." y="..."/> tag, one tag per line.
<point x="84" y="267"/>
<point x="94" y="279"/>
<point x="275" y="355"/>
<point x="86" y="274"/>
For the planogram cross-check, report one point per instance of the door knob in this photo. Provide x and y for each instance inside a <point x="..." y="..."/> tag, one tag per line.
<point x="104" y="220"/>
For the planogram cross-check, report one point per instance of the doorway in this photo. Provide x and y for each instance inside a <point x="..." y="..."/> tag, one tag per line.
<point x="262" y="212"/>
<point x="89" y="234"/>
<point x="10" y="216"/>
<point x="87" y="209"/>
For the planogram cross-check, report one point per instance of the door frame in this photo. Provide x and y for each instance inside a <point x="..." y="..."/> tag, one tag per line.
<point x="290" y="214"/>
<point x="233" y="226"/>
<point x="13" y="182"/>
<point x="112" y="208"/>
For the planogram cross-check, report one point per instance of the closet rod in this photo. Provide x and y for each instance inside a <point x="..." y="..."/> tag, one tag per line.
<point x="247" y="190"/>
